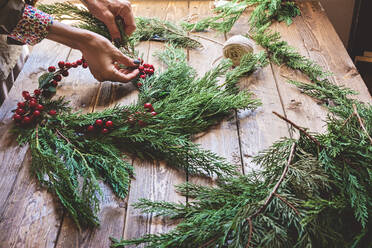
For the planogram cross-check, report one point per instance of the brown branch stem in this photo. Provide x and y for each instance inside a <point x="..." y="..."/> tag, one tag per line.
<point x="60" y="134"/>
<point x="250" y="233"/>
<point x="348" y="119"/>
<point x="302" y="130"/>
<point x="361" y="123"/>
<point x="288" y="203"/>
<point x="273" y="192"/>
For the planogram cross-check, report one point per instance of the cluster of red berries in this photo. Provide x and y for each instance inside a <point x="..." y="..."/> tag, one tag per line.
<point x="99" y="124"/>
<point x="30" y="110"/>
<point x="138" y="116"/>
<point x="63" y="69"/>
<point x="146" y="70"/>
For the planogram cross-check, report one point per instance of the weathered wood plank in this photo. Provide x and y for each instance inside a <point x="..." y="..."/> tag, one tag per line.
<point x="28" y="215"/>
<point x="258" y="129"/>
<point x="299" y="108"/>
<point x="154" y="181"/>
<point x="325" y="47"/>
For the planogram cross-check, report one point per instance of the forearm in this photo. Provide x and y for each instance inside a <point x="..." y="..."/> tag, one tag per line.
<point x="69" y="36"/>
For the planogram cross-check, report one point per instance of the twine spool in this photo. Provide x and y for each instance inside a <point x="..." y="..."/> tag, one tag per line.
<point x="235" y="47"/>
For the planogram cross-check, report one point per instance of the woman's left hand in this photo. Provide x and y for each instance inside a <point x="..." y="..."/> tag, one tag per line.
<point x="107" y="10"/>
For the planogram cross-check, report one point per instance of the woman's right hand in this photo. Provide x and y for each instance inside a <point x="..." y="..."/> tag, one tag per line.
<point x="97" y="50"/>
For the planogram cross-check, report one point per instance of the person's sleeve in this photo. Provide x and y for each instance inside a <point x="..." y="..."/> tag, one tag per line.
<point x="32" y="27"/>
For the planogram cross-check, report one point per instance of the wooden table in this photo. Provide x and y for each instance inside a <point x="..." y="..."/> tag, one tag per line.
<point x="30" y="216"/>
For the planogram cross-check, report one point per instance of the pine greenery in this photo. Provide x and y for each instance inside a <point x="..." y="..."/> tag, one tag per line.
<point x="264" y="13"/>
<point x="279" y="52"/>
<point x="71" y="162"/>
<point x="147" y="28"/>
<point x="312" y="192"/>
<point x="325" y="199"/>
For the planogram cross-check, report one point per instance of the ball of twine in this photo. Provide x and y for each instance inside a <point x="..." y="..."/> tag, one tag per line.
<point x="235" y="47"/>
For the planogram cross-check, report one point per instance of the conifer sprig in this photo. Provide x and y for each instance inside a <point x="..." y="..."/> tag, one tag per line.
<point x="147" y="28"/>
<point x="279" y="52"/>
<point x="264" y="13"/>
<point x="324" y="200"/>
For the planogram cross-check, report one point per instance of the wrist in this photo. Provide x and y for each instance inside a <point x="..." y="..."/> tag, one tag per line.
<point x="69" y="36"/>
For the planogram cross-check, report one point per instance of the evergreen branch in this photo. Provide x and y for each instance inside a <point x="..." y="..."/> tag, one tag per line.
<point x="286" y="202"/>
<point x="361" y="122"/>
<point x="229" y="12"/>
<point x="275" y="189"/>
<point x="279" y="52"/>
<point x="146" y="28"/>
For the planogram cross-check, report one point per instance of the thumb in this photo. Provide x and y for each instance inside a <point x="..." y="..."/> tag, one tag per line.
<point x="120" y="76"/>
<point x="109" y="21"/>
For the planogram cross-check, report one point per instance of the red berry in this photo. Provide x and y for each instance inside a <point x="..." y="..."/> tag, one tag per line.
<point x="52" y="112"/>
<point x="17" y="117"/>
<point x="20" y="111"/>
<point x="79" y="62"/>
<point x="37" y="92"/>
<point x="99" y="122"/>
<point x="151" y="71"/>
<point x="25" y="94"/>
<point x="54" y="83"/>
<point x="152" y="67"/>
<point x="153" y="113"/>
<point x="143" y="76"/>
<point x="68" y="65"/>
<point x="61" y="64"/>
<point x="26" y="120"/>
<point x="90" y="128"/>
<point x="36" y="113"/>
<point x="141" y="68"/>
<point x="109" y="124"/>
<point x="21" y="104"/>
<point x="139" y="85"/>
<point x="40" y="107"/>
<point x="104" y="130"/>
<point x="51" y="69"/>
<point x="147" y="105"/>
<point x="141" y="123"/>
<point x="57" y="77"/>
<point x="146" y="65"/>
<point x="74" y="64"/>
<point x="65" y="73"/>
<point x="85" y="65"/>
<point x="33" y="104"/>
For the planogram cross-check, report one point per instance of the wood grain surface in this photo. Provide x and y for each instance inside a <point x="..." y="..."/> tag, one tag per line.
<point x="31" y="217"/>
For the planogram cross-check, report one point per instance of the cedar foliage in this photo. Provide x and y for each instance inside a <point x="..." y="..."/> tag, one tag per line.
<point x="264" y="13"/>
<point x="71" y="162"/>
<point x="325" y="199"/>
<point x="147" y="28"/>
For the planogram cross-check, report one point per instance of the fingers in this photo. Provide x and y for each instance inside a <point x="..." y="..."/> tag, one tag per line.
<point x="126" y="13"/>
<point x="122" y="59"/>
<point x="109" y="20"/>
<point x="120" y="76"/>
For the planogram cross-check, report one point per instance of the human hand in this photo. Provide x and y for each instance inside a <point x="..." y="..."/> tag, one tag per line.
<point x="102" y="58"/>
<point x="107" y="10"/>
<point x="101" y="55"/>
